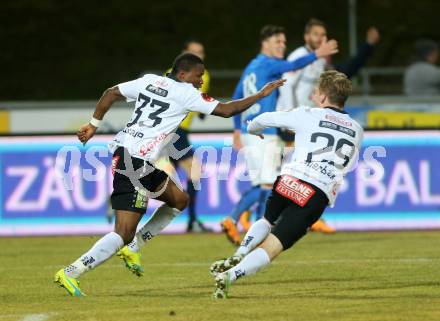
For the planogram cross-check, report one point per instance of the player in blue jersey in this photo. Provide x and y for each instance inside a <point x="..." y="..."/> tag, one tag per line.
<point x="263" y="156"/>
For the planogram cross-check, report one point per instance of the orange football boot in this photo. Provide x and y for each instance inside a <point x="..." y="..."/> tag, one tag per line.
<point x="321" y="226"/>
<point x="230" y="230"/>
<point x="245" y="221"/>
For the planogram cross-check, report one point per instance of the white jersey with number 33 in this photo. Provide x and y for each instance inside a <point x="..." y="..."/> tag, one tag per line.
<point x="161" y="105"/>
<point x="327" y="143"/>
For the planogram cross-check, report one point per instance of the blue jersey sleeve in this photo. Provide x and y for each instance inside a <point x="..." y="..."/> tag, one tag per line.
<point x="237" y="122"/>
<point x="238" y="94"/>
<point x="279" y="66"/>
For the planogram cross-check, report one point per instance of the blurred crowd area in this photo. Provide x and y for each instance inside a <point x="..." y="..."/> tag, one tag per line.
<point x="54" y="50"/>
<point x="58" y="58"/>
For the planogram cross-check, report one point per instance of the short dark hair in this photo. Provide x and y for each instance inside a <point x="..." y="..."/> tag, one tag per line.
<point x="336" y="86"/>
<point x="312" y="23"/>
<point x="270" y="30"/>
<point x="189" y="41"/>
<point x="422" y="49"/>
<point x="185" y="62"/>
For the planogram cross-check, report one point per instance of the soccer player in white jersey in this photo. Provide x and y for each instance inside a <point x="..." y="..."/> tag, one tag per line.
<point x="299" y="86"/>
<point x="300" y="83"/>
<point x="161" y="105"/>
<point x="327" y="143"/>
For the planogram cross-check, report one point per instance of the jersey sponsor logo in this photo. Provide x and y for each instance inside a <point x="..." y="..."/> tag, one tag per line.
<point x="295" y="190"/>
<point x="115" y="161"/>
<point x="339" y="128"/>
<point x="323" y="169"/>
<point x="338" y="120"/>
<point x="133" y="132"/>
<point x="146" y="149"/>
<point x="161" y="82"/>
<point x="207" y="97"/>
<point x="156" y="90"/>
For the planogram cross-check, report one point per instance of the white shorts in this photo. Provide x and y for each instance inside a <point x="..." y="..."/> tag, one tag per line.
<point x="263" y="158"/>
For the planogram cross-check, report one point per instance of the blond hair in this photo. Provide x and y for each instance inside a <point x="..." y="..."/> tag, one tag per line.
<point x="336" y="86"/>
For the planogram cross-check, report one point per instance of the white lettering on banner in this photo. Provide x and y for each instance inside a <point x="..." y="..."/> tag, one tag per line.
<point x="373" y="192"/>
<point x="53" y="188"/>
<point x="232" y="184"/>
<point x="402" y="182"/>
<point x="225" y="163"/>
<point x="61" y="162"/>
<point x="209" y="172"/>
<point x="100" y="195"/>
<point x="425" y="185"/>
<point x="15" y="202"/>
<point x="374" y="164"/>
<point x="364" y="183"/>
<point x="211" y="160"/>
<point x="95" y="163"/>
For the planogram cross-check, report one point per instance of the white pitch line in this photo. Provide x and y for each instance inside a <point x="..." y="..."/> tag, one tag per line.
<point x="35" y="317"/>
<point x="416" y="260"/>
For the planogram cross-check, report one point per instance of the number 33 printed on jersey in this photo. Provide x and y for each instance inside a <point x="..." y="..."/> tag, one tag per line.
<point x="153" y="116"/>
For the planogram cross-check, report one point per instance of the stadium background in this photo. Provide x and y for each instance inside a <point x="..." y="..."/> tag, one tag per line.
<point x="72" y="50"/>
<point x="57" y="58"/>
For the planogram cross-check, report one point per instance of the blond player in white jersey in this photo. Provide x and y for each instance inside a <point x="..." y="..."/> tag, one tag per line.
<point x="299" y="86"/>
<point x="327" y="143"/>
<point x="161" y="105"/>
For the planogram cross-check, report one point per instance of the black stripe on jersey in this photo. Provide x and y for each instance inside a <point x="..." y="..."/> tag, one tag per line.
<point x="339" y="128"/>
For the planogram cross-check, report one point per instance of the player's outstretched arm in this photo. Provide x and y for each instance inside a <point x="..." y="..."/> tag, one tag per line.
<point x="234" y="107"/>
<point x="277" y="119"/>
<point x="326" y="49"/>
<point x="110" y="95"/>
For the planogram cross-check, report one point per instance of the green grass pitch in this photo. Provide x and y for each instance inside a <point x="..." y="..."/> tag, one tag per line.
<point x="347" y="276"/>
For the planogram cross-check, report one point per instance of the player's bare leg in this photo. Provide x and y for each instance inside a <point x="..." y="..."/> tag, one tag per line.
<point x="175" y="200"/>
<point x="102" y="250"/>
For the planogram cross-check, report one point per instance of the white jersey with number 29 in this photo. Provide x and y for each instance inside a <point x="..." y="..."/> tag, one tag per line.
<point x="161" y="105"/>
<point x="327" y="143"/>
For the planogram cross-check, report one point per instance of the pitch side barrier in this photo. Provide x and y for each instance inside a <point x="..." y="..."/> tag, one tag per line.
<point x="379" y="112"/>
<point x="53" y="185"/>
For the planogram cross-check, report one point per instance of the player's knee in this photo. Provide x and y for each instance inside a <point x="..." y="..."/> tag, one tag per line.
<point x="181" y="201"/>
<point x="288" y="241"/>
<point x="272" y="245"/>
